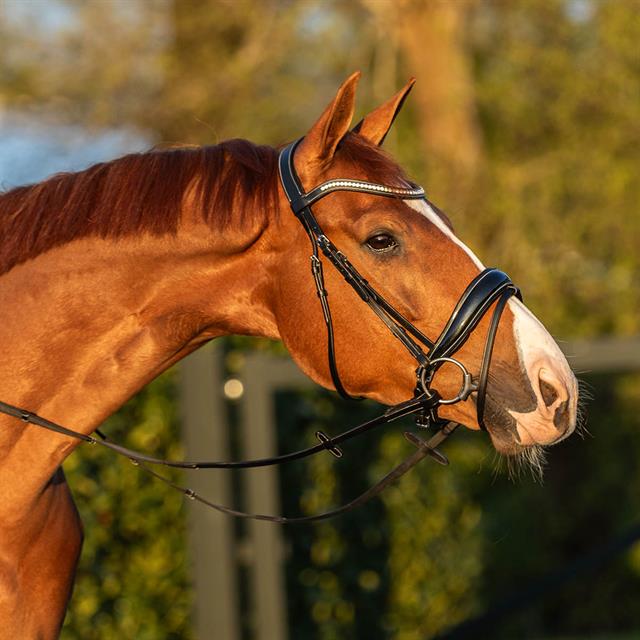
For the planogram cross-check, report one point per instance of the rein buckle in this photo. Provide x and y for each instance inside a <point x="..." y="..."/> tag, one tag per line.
<point x="333" y="449"/>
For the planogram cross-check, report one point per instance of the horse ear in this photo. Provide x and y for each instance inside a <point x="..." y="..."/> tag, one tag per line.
<point x="376" y="125"/>
<point x="319" y="145"/>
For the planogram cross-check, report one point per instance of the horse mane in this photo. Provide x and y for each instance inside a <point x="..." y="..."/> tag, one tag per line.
<point x="234" y="182"/>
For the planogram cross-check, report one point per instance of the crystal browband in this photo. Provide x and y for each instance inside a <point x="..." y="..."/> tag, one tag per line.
<point x="417" y="192"/>
<point x="361" y="186"/>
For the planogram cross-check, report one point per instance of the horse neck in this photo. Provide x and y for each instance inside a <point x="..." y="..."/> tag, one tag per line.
<point x="85" y="325"/>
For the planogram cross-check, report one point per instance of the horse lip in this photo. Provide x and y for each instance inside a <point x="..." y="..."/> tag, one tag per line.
<point x="499" y="420"/>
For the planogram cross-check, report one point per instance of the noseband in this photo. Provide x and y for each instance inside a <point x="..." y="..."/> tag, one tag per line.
<point x="488" y="287"/>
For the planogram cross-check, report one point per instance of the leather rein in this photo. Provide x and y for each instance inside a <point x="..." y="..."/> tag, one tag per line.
<point x="489" y="287"/>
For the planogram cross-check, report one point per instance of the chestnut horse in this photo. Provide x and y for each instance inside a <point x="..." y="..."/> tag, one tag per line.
<point x="113" y="274"/>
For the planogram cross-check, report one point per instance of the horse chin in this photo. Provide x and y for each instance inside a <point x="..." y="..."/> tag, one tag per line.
<point x="519" y="458"/>
<point x="506" y="446"/>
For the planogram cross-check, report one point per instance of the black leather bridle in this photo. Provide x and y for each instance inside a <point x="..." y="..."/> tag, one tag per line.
<point x="489" y="287"/>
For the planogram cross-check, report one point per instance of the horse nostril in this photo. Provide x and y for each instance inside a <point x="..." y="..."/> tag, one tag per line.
<point x="561" y="416"/>
<point x="556" y="398"/>
<point x="549" y="393"/>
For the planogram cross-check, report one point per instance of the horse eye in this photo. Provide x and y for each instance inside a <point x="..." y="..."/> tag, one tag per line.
<point x="381" y="242"/>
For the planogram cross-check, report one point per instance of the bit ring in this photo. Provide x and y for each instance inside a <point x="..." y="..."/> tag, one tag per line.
<point x="467" y="387"/>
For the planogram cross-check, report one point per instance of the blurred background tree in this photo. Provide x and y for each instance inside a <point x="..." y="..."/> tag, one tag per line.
<point x="524" y="127"/>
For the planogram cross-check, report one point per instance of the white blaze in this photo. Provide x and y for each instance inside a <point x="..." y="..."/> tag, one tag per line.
<point x="421" y="206"/>
<point x="535" y="345"/>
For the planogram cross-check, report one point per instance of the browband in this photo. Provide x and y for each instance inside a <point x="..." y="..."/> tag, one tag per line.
<point x="300" y="200"/>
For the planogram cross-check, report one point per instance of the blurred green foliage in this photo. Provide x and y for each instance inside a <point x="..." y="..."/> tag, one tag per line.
<point x="559" y="100"/>
<point x="556" y="86"/>
<point x="589" y="497"/>
<point x="133" y="579"/>
<point x="373" y="572"/>
<point x="444" y="544"/>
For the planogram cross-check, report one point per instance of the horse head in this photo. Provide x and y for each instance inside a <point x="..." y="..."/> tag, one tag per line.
<point x="407" y="250"/>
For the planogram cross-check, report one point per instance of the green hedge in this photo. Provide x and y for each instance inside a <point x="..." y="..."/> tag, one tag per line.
<point x="133" y="579"/>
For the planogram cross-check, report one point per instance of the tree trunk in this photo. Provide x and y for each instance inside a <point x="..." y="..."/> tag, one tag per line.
<point x="431" y="37"/>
